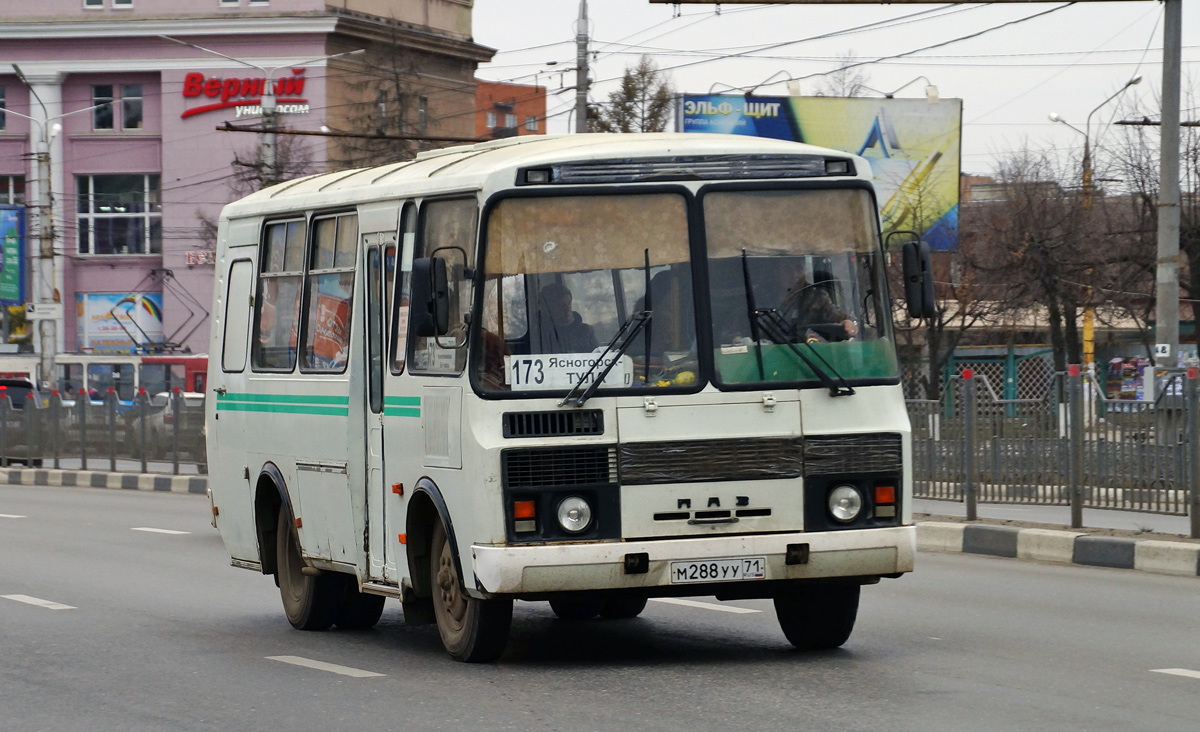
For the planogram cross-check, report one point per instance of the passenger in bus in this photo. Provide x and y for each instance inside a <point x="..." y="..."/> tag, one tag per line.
<point x="811" y="304"/>
<point x="562" y="329"/>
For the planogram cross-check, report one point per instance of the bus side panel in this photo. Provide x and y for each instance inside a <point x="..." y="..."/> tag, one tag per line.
<point x="225" y="433"/>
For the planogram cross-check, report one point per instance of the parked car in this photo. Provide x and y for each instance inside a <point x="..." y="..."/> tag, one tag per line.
<point x="18" y="437"/>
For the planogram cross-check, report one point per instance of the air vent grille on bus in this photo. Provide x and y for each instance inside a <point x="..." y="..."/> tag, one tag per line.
<point x="547" y="467"/>
<point x="694" y="167"/>
<point x="710" y="460"/>
<point x="554" y="424"/>
<point x="881" y="452"/>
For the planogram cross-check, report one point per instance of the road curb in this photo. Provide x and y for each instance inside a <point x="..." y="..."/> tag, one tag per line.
<point x="1061" y="547"/>
<point x="104" y="479"/>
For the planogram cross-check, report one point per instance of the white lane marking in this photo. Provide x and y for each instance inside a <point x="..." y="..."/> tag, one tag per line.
<point x="1177" y="672"/>
<point x="159" y="531"/>
<point x="39" y="602"/>
<point x="705" y="605"/>
<point x="11" y="515"/>
<point x="322" y="666"/>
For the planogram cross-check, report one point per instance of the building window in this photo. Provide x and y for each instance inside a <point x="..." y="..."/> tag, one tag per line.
<point x="3" y="106"/>
<point x="102" y="115"/>
<point x="12" y="189"/>
<point x="260" y="2"/>
<point x="422" y="115"/>
<point x="230" y="2"/>
<point x="122" y="3"/>
<point x="93" y="3"/>
<point x="510" y="121"/>
<point x="491" y="120"/>
<point x="119" y="214"/>
<point x="131" y="106"/>
<point x="531" y="124"/>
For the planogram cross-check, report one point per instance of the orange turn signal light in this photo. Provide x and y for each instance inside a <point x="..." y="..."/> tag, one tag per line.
<point x="523" y="509"/>
<point x="885" y="494"/>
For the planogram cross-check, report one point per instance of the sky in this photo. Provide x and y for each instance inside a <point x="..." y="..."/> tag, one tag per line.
<point x="1009" y="75"/>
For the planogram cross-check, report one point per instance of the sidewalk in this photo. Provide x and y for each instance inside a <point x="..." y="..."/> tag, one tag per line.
<point x="1117" y="539"/>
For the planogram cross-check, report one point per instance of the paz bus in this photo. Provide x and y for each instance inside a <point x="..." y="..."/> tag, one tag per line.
<point x="590" y="370"/>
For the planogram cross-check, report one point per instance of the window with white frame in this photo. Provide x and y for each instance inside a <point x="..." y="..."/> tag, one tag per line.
<point x="122" y="3"/>
<point x="119" y="214"/>
<point x="491" y="120"/>
<point x="131" y="106"/>
<point x="105" y="115"/>
<point x="12" y="189"/>
<point x="93" y="4"/>
<point x="230" y="2"/>
<point x="531" y="123"/>
<point x="510" y="121"/>
<point x="102" y="99"/>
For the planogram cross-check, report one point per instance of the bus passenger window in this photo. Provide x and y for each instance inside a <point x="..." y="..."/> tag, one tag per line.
<point x="408" y="233"/>
<point x="277" y="308"/>
<point x="331" y="293"/>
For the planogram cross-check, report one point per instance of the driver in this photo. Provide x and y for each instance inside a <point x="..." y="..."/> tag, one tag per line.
<point x="563" y="329"/>
<point x="808" y="304"/>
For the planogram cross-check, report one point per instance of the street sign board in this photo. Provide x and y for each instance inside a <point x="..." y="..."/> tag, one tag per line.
<point x="12" y="255"/>
<point x="44" y="311"/>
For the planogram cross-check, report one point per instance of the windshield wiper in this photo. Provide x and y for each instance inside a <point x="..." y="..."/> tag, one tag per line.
<point x="625" y="334"/>
<point x="768" y="322"/>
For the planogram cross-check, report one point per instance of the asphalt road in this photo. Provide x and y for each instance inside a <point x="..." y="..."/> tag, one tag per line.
<point x="161" y="634"/>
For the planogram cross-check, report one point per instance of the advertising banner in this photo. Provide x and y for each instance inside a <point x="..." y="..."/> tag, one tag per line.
<point x="118" y="322"/>
<point x="12" y="255"/>
<point x="913" y="146"/>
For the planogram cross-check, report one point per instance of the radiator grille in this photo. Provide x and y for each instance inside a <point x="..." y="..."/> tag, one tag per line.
<point x="553" y="424"/>
<point x="833" y="454"/>
<point x="701" y="167"/>
<point x="548" y="467"/>
<point x="710" y="460"/>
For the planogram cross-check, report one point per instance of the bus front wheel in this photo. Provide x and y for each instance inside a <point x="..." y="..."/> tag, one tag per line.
<point x="310" y="601"/>
<point x="474" y="631"/>
<point x="817" y="617"/>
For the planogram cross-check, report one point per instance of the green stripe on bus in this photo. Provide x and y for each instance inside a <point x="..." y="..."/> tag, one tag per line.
<point x="402" y="401"/>
<point x="401" y="412"/>
<point x="285" y="409"/>
<point x="284" y="399"/>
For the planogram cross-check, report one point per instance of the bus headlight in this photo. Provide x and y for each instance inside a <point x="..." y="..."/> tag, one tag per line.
<point x="845" y="503"/>
<point x="574" y="514"/>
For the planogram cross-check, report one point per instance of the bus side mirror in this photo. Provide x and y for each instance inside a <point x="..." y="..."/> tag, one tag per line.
<point x="430" y="297"/>
<point x="918" y="280"/>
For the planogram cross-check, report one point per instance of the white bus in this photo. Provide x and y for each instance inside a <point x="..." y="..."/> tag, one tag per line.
<point x="591" y="370"/>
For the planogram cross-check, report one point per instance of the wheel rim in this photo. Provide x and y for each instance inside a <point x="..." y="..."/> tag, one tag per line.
<point x="448" y="595"/>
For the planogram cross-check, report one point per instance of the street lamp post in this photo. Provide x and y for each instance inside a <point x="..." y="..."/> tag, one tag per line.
<point x="1089" y="311"/>
<point x="43" y="290"/>
<point x="267" y="153"/>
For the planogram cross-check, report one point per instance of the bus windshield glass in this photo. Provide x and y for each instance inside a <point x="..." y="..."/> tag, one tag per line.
<point x="817" y="287"/>
<point x="563" y="274"/>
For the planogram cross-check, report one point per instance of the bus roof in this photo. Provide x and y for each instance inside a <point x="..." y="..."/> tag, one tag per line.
<point x="467" y="167"/>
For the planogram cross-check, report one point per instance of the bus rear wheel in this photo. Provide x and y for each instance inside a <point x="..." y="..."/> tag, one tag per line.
<point x="577" y="608"/>
<point x="472" y="631"/>
<point x="817" y="617"/>
<point x="623" y="607"/>
<point x="310" y="601"/>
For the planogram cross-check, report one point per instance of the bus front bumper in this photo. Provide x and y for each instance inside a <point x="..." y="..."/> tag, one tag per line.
<point x="503" y="570"/>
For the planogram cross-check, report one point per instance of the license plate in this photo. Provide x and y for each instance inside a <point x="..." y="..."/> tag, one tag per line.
<point x="718" y="570"/>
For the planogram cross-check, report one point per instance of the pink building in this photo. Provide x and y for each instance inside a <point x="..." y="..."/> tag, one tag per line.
<point x="137" y="178"/>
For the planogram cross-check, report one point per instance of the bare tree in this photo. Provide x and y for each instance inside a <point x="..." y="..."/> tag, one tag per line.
<point x="641" y="104"/>
<point x="845" y="81"/>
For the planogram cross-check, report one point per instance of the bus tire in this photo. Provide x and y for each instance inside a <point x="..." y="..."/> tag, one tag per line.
<point x="817" y="617"/>
<point x="577" y="608"/>
<point x="472" y="631"/>
<point x="310" y="601"/>
<point x="623" y="607"/>
<point x="358" y="610"/>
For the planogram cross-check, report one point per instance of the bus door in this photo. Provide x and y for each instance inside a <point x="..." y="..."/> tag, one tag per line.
<point x="380" y="253"/>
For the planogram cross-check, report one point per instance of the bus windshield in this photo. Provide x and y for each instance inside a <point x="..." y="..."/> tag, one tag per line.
<point x="562" y="276"/>
<point x="817" y="296"/>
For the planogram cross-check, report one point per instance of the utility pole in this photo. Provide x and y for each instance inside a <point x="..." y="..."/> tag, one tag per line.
<point x="1166" y="302"/>
<point x="581" y="69"/>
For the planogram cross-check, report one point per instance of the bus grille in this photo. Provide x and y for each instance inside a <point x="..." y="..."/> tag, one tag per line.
<point x="644" y="463"/>
<point x="547" y="467"/>
<point x="553" y="424"/>
<point x="696" y="167"/>
<point x="833" y="454"/>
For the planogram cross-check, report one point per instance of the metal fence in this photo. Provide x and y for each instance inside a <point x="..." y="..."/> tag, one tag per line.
<point x="1070" y="445"/>
<point x="160" y="434"/>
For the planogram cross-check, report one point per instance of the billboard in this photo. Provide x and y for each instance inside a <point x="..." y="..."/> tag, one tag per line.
<point x="913" y="146"/>
<point x="12" y="255"/>
<point x="118" y="322"/>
